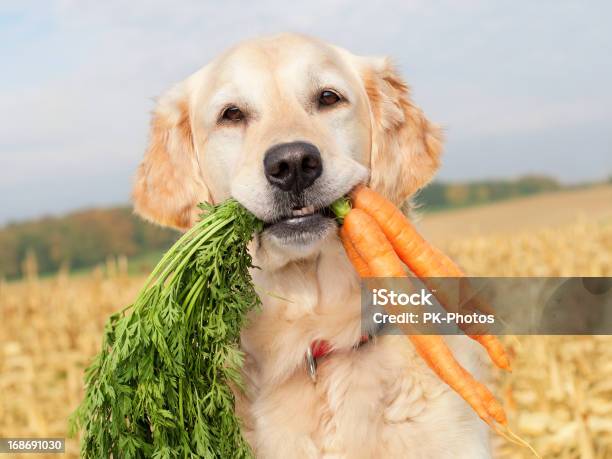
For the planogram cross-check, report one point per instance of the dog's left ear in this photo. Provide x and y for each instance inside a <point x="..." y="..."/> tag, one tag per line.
<point x="406" y="147"/>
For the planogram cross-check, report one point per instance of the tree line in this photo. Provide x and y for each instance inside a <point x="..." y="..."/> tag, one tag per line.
<point x="78" y="240"/>
<point x="440" y="196"/>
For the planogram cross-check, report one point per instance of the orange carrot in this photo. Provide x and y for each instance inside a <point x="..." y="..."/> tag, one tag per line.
<point x="495" y="349"/>
<point x="369" y="247"/>
<point x="372" y="245"/>
<point x="358" y="263"/>
<point x="423" y="259"/>
<point x="436" y="353"/>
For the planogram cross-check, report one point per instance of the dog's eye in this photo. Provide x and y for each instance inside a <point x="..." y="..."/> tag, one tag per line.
<point x="328" y="97"/>
<point x="232" y="114"/>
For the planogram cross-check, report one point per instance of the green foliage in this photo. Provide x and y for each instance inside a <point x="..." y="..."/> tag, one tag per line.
<point x="160" y="386"/>
<point x="341" y="207"/>
<point x="80" y="240"/>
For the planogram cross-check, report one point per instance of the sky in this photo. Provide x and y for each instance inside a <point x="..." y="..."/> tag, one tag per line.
<point x="520" y="87"/>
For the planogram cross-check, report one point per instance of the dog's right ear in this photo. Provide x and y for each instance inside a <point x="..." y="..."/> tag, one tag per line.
<point x="168" y="185"/>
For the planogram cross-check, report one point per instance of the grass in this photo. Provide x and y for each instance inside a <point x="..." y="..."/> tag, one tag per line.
<point x="138" y="265"/>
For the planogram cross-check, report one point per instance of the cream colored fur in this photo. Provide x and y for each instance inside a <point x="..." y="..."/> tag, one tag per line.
<point x="378" y="401"/>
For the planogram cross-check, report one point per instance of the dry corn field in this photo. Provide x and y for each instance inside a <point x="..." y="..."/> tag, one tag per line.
<point x="559" y="396"/>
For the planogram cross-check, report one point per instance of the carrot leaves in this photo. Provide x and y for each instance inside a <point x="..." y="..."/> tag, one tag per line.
<point x="160" y="385"/>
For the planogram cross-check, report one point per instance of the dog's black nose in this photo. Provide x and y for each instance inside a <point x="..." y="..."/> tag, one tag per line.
<point x="293" y="166"/>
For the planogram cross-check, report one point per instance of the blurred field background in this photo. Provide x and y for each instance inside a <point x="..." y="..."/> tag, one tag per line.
<point x="86" y="238"/>
<point x="559" y="396"/>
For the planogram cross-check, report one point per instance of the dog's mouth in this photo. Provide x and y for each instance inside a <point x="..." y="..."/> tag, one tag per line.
<point x="301" y="215"/>
<point x="303" y="225"/>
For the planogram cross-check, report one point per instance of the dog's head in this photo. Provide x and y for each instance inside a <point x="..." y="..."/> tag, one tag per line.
<point x="286" y="125"/>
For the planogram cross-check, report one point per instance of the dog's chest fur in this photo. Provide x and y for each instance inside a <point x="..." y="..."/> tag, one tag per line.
<point x="379" y="400"/>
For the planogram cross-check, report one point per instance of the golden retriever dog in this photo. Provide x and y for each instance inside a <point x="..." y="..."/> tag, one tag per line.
<point x="286" y="125"/>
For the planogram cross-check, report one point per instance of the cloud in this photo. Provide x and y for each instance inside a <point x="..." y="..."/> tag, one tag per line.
<point x="79" y="79"/>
